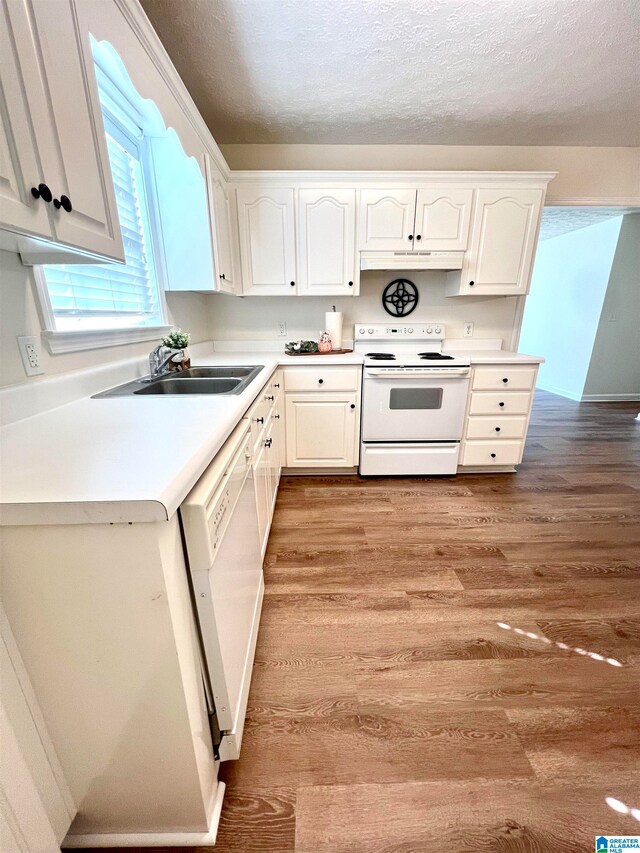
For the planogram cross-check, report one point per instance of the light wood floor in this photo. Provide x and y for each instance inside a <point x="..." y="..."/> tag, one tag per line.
<point x="451" y="664"/>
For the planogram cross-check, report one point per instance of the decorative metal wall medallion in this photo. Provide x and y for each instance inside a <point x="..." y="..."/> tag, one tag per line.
<point x="400" y="297"/>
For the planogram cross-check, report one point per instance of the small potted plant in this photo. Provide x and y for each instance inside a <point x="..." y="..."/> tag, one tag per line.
<point x="179" y="341"/>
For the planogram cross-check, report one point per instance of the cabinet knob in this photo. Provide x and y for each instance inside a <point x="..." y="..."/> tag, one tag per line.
<point x="63" y="202"/>
<point x="42" y="191"/>
<point x="259" y="420"/>
<point x="276" y="417"/>
<point x="353" y="405"/>
<point x="505" y="380"/>
<point x="493" y="455"/>
<point x="501" y="405"/>
<point x="497" y="429"/>
<point x="276" y="384"/>
<point x="222" y="275"/>
<point x="292" y="283"/>
<point x="350" y="284"/>
<point x="320" y="381"/>
<point x="267" y="397"/>
<point x="418" y="236"/>
<point x="410" y="237"/>
<point x="268" y="442"/>
<point x="471" y="283"/>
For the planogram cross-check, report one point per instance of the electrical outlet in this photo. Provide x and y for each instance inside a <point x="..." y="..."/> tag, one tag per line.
<point x="282" y="329"/>
<point x="29" y="346"/>
<point x="468" y="330"/>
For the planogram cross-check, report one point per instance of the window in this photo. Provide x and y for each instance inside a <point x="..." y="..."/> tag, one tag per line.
<point x="92" y="297"/>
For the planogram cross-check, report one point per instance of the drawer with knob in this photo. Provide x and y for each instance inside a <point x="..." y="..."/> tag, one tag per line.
<point x="320" y="378"/>
<point x="491" y="452"/>
<point x="501" y="427"/>
<point x="501" y="403"/>
<point x="509" y="378"/>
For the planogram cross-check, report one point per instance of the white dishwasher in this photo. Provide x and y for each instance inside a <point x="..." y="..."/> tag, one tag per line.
<point x="220" y="527"/>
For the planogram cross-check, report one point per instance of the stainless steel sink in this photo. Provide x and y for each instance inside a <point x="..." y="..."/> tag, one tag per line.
<point x="196" y="380"/>
<point x="176" y="385"/>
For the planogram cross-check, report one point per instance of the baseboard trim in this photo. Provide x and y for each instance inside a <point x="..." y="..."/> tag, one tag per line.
<point x="151" y="839"/>
<point x="562" y="392"/>
<point x="611" y="398"/>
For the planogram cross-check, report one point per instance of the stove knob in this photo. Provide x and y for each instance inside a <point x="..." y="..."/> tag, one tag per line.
<point x="438" y="330"/>
<point x="410" y="331"/>
<point x="429" y="330"/>
<point x="361" y="331"/>
<point x="370" y="331"/>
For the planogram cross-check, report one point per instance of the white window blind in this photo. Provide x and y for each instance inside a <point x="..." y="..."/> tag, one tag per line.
<point x="97" y="296"/>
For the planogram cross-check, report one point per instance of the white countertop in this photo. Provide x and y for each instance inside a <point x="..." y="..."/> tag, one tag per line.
<point x="497" y="356"/>
<point x="132" y="459"/>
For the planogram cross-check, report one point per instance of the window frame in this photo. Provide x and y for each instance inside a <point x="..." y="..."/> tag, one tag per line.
<point x="67" y="340"/>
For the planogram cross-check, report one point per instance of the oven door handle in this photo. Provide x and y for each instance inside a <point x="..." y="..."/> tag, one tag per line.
<point x="390" y="373"/>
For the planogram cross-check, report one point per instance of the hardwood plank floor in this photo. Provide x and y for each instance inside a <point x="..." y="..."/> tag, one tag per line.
<point x="451" y="663"/>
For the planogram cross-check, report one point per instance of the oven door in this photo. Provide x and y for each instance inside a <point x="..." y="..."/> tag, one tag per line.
<point x="420" y="405"/>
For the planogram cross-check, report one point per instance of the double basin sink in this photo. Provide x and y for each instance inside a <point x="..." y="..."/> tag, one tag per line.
<point x="196" y="380"/>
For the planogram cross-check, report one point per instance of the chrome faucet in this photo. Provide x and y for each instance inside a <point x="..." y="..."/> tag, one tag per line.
<point x="159" y="359"/>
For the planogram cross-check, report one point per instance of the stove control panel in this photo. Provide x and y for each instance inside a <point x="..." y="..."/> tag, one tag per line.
<point x="433" y="331"/>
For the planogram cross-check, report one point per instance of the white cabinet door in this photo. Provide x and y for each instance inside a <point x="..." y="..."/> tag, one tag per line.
<point x="19" y="166"/>
<point x="442" y="219"/>
<point x="327" y="242"/>
<point x="263" y="487"/>
<point x="387" y="219"/>
<point x="221" y="228"/>
<point x="321" y="430"/>
<point x="73" y="151"/>
<point x="503" y="241"/>
<point x="267" y="240"/>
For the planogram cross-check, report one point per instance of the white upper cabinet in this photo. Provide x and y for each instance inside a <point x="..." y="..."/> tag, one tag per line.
<point x="386" y="219"/>
<point x="327" y="242"/>
<point x="267" y="239"/>
<point x="47" y="74"/>
<point x="442" y="219"/>
<point x="503" y="239"/>
<point x="19" y="167"/>
<point x="221" y="230"/>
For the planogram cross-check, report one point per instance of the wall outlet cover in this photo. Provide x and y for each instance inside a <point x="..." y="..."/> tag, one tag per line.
<point x="468" y="330"/>
<point x="29" y="346"/>
<point x="282" y="329"/>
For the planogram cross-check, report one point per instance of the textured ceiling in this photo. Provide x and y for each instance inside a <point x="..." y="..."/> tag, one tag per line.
<point x="561" y="220"/>
<point x="449" y="72"/>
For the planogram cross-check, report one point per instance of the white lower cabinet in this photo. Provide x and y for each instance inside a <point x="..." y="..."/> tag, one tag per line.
<point x="321" y="430"/>
<point x="267" y="430"/>
<point x="497" y="421"/>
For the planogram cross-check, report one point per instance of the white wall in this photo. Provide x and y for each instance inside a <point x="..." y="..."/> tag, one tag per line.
<point x="257" y="317"/>
<point x="586" y="173"/>
<point x="614" y="370"/>
<point x="19" y="316"/>
<point x="561" y="316"/>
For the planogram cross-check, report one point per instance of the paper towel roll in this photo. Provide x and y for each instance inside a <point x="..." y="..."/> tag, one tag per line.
<point x="333" y="325"/>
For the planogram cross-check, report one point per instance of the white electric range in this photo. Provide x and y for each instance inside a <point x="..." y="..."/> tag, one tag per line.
<point x="413" y="400"/>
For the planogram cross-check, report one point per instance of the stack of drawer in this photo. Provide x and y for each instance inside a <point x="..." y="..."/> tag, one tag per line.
<point x="498" y="414"/>
<point x="266" y="408"/>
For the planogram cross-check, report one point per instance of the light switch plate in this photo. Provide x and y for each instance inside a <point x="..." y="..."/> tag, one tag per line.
<point x="468" y="330"/>
<point x="29" y="346"/>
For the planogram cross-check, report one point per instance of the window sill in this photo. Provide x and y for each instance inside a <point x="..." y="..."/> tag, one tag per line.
<point x="60" y="342"/>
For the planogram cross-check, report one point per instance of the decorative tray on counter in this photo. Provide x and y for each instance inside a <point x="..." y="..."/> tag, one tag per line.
<point x="332" y="352"/>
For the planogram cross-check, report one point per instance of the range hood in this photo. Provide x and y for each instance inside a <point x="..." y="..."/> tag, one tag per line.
<point x="411" y="260"/>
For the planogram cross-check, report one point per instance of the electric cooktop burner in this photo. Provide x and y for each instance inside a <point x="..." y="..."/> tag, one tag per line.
<point x="435" y="356"/>
<point x="380" y="356"/>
